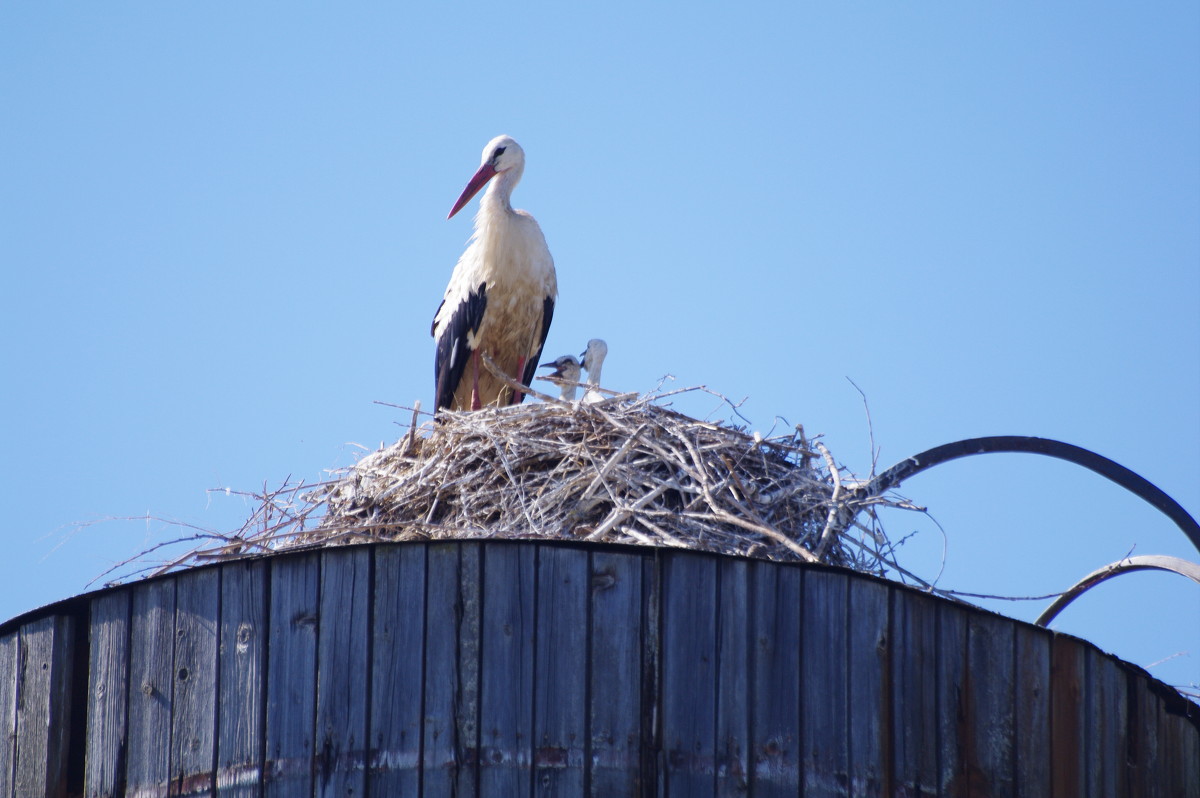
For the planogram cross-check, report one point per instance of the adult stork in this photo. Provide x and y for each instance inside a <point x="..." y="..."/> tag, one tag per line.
<point x="501" y="295"/>
<point x="565" y="375"/>
<point x="593" y="361"/>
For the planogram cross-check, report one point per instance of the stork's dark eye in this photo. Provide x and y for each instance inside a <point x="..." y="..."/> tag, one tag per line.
<point x="499" y="151"/>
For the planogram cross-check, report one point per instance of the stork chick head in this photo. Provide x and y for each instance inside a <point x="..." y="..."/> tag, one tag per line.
<point x="502" y="156"/>
<point x="593" y="356"/>
<point x="565" y="368"/>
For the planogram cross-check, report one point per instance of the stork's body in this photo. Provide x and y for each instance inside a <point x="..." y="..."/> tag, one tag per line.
<point x="500" y="299"/>
<point x="593" y="362"/>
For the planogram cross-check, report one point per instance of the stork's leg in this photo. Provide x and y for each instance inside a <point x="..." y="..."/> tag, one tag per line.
<point x="518" y="395"/>
<point x="475" y="403"/>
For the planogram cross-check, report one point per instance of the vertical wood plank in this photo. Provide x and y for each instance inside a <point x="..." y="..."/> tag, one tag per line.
<point x="243" y="636"/>
<point x="988" y="739"/>
<point x="194" y="707"/>
<point x="914" y="694"/>
<point x="343" y="672"/>
<point x="1143" y="722"/>
<point x="443" y="613"/>
<point x="870" y="704"/>
<point x="108" y="683"/>
<point x="293" y="617"/>
<point x="824" y="698"/>
<point x="397" y="670"/>
<point x="776" y="596"/>
<point x="151" y="686"/>
<point x="615" y="690"/>
<point x="506" y="671"/>
<point x="689" y="672"/>
<point x="1108" y="721"/>
<point x="43" y="707"/>
<point x="561" y="667"/>
<point x="733" y="669"/>
<point x="1032" y="736"/>
<point x="9" y="658"/>
<point x="467" y="732"/>
<point x="1068" y="745"/>
<point x="951" y="698"/>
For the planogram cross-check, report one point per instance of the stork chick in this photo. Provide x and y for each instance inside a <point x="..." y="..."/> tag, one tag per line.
<point x="565" y="375"/>
<point x="500" y="299"/>
<point x="593" y="362"/>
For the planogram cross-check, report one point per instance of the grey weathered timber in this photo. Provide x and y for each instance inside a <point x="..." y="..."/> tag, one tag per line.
<point x="506" y="671"/>
<point x="867" y="662"/>
<point x="397" y="672"/>
<point x="475" y="668"/>
<point x="824" y="686"/>
<point x="731" y="764"/>
<point x="914" y="717"/>
<point x="1032" y="697"/>
<point x="293" y="617"/>
<point x="560" y="672"/>
<point x="689" y="674"/>
<point x="44" y="706"/>
<point x="775" y="597"/>
<point x="151" y="687"/>
<point x="108" y="688"/>
<point x="615" y="657"/>
<point x="243" y="650"/>
<point x="194" y="706"/>
<point x="342" y="657"/>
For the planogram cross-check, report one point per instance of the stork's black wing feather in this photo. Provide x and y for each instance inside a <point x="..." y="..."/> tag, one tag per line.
<point x="531" y="365"/>
<point x="450" y="362"/>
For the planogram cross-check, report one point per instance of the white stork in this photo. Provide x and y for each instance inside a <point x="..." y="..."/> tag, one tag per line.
<point x="501" y="295"/>
<point x="593" y="361"/>
<point x="565" y="375"/>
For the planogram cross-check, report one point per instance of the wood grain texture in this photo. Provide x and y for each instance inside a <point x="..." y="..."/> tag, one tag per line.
<point x="988" y="730"/>
<point x="732" y="762"/>
<point x="951" y="664"/>
<point x="194" y="705"/>
<point x="9" y="658"/>
<point x="151" y="687"/>
<point x="108" y="689"/>
<point x="441" y="766"/>
<point x="242" y="678"/>
<point x="914" y="680"/>
<point x="293" y="616"/>
<point x="560" y="672"/>
<point x="397" y="671"/>
<point x="615" y="684"/>
<point x="775" y="607"/>
<point x="1107" y="713"/>
<point x="343" y="654"/>
<point x="824" y="699"/>
<point x="1068" y="728"/>
<point x="506" y="671"/>
<point x="868" y="660"/>
<point x="1032" y="720"/>
<point x="689" y="673"/>
<point x="44" y="707"/>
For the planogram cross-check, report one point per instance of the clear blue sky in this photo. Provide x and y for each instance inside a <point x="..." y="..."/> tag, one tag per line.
<point x="223" y="235"/>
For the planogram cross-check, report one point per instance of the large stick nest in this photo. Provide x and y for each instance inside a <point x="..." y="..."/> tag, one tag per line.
<point x="626" y="470"/>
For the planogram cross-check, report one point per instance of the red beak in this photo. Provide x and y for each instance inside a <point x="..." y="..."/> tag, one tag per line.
<point x="477" y="181"/>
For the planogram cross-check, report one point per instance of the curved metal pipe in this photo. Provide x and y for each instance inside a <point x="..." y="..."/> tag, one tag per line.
<point x="1144" y="562"/>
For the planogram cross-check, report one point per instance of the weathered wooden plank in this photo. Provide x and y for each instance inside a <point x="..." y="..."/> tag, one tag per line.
<point x="151" y="686"/>
<point x="689" y="673"/>
<point x="9" y="658"/>
<point x="44" y="707"/>
<point x="293" y="616"/>
<point x="1068" y="743"/>
<point x="108" y="686"/>
<point x="775" y="605"/>
<point x="652" y="770"/>
<point x="242" y="675"/>
<point x="870" y="688"/>
<point x="193" y="709"/>
<point x="824" y="696"/>
<point x="468" y="735"/>
<point x="732" y="763"/>
<point x="1031" y="746"/>
<point x="951" y="699"/>
<point x="914" y="694"/>
<point x="439" y="761"/>
<point x="397" y="670"/>
<point x="506" y="671"/>
<point x="1108" y="721"/>
<point x="343" y="659"/>
<point x="988" y="726"/>
<point x="1144" y="781"/>
<point x="560" y="671"/>
<point x="615" y="693"/>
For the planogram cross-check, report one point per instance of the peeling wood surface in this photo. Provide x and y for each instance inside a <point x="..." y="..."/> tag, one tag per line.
<point x="482" y="668"/>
